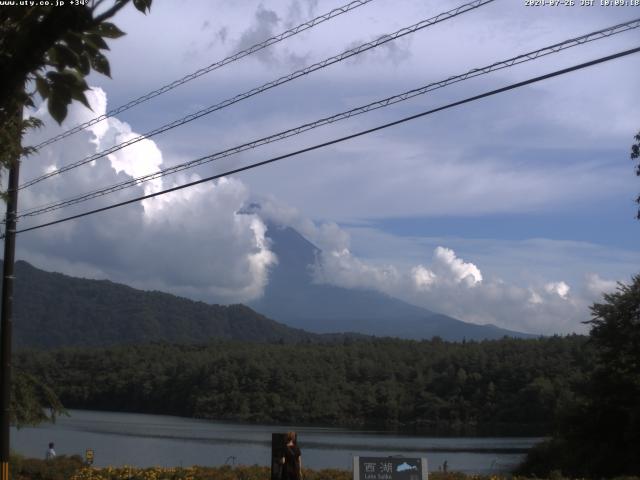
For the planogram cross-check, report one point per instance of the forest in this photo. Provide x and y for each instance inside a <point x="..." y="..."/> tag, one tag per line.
<point x="508" y="386"/>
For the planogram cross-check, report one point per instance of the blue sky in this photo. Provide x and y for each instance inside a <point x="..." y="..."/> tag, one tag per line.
<point x="516" y="210"/>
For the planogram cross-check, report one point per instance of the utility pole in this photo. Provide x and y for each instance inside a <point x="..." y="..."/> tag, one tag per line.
<point x="7" y="307"/>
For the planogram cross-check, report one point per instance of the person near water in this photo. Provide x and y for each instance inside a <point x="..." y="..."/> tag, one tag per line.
<point x="51" y="453"/>
<point x="292" y="459"/>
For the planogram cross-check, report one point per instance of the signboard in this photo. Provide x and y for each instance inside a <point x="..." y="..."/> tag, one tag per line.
<point x="390" y="468"/>
<point x="277" y="452"/>
<point x="88" y="456"/>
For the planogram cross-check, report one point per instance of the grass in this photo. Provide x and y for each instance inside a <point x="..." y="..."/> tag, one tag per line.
<point x="73" y="468"/>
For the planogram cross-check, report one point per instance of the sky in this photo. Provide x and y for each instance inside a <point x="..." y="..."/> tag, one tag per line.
<point x="516" y="210"/>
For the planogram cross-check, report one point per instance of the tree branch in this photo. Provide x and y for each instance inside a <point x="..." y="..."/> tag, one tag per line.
<point x="110" y="12"/>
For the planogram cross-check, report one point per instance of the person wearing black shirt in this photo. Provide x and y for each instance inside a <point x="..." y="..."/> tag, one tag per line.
<point x="292" y="459"/>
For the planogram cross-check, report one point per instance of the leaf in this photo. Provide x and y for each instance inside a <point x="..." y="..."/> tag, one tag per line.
<point x="74" y="41"/>
<point x="43" y="87"/>
<point x="108" y="30"/>
<point x="57" y="108"/>
<point x="100" y="64"/>
<point x="78" y="94"/>
<point x="77" y="87"/>
<point x="66" y="56"/>
<point x="52" y="58"/>
<point x="53" y="76"/>
<point x="61" y="85"/>
<point x="96" y="41"/>
<point x="142" y="5"/>
<point x="84" y="63"/>
<point x="32" y="122"/>
<point x="67" y="86"/>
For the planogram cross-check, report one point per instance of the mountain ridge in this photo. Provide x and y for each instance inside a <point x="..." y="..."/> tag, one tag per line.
<point x="291" y="295"/>
<point x="54" y="310"/>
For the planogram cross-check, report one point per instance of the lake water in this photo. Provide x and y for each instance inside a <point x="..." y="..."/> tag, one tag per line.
<point x="147" y="440"/>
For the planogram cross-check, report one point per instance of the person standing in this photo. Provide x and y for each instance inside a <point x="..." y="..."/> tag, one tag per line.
<point x="51" y="453"/>
<point x="292" y="460"/>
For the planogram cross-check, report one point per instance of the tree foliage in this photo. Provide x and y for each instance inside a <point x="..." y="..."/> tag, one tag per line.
<point x="600" y="434"/>
<point x="32" y="401"/>
<point x="614" y="389"/>
<point x="50" y="50"/>
<point x="504" y="386"/>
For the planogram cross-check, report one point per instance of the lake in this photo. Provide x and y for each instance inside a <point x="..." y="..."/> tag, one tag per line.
<point x="147" y="440"/>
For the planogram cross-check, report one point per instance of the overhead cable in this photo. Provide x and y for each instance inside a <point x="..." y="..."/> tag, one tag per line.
<point x="214" y="66"/>
<point x="341" y="139"/>
<point x="267" y="86"/>
<point x="599" y="34"/>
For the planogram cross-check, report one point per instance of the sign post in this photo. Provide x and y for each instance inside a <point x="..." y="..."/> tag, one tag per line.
<point x="390" y="468"/>
<point x="278" y="441"/>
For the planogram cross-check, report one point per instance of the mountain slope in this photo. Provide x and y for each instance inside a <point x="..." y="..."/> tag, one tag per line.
<point x="292" y="298"/>
<point x="54" y="310"/>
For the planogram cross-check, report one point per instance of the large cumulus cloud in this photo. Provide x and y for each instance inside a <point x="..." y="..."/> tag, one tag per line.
<point x="446" y="282"/>
<point x="192" y="242"/>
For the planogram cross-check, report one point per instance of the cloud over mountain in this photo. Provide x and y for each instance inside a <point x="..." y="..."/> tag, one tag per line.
<point x="192" y="242"/>
<point x="203" y="242"/>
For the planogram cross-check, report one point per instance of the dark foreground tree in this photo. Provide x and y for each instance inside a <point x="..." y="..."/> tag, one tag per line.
<point x="47" y="50"/>
<point x="613" y="414"/>
<point x="600" y="434"/>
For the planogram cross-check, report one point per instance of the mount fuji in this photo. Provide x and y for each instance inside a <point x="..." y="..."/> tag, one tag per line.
<point x="293" y="298"/>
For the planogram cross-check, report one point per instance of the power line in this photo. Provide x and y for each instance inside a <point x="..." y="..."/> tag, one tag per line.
<point x="532" y="55"/>
<point x="342" y="139"/>
<point x="274" y="83"/>
<point x="214" y="66"/>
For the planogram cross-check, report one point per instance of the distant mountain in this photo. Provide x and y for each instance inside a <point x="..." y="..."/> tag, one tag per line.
<point x="53" y="310"/>
<point x="291" y="297"/>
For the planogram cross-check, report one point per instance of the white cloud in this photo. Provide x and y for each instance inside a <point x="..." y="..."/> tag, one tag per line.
<point x="535" y="297"/>
<point x="340" y="267"/>
<point x="191" y="242"/>
<point x="455" y="269"/>
<point x="561" y="289"/>
<point x="597" y="286"/>
<point x="446" y="268"/>
<point x="449" y="284"/>
<point x="423" y="278"/>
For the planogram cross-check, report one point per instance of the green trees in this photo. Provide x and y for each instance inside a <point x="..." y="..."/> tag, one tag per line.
<point x="503" y="386"/>
<point x="32" y="401"/>
<point x="599" y="434"/>
<point x="613" y="409"/>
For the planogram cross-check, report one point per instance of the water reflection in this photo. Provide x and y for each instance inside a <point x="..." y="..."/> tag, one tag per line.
<point x="146" y="440"/>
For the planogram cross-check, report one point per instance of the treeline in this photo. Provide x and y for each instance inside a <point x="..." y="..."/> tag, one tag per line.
<point x="502" y="386"/>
